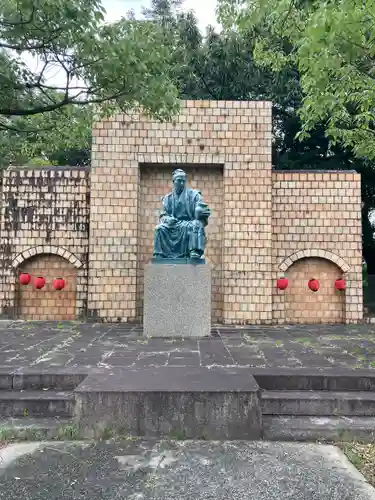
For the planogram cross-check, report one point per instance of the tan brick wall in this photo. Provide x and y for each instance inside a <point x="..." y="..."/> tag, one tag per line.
<point x="47" y="303"/>
<point x="43" y="210"/>
<point x="236" y="135"/>
<point x="156" y="181"/>
<point x="263" y="222"/>
<point x="318" y="214"/>
<point x="305" y="306"/>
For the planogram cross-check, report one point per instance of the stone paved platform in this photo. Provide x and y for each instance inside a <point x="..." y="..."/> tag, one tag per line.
<point x="46" y="345"/>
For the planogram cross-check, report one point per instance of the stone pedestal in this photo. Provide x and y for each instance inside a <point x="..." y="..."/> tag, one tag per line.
<point x="177" y="300"/>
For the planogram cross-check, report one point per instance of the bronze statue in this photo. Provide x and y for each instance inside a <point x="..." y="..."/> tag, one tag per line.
<point x="180" y="233"/>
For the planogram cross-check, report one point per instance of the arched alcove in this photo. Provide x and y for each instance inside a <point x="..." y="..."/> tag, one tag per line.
<point x="302" y="305"/>
<point x="47" y="303"/>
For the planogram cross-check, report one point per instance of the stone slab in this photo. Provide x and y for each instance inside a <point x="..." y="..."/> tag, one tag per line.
<point x="185" y="470"/>
<point x="328" y="428"/>
<point x="217" y="403"/>
<point x="177" y="300"/>
<point x="318" y="403"/>
<point x="196" y="262"/>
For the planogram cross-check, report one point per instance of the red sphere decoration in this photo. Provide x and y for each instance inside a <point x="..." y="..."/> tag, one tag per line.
<point x="282" y="283"/>
<point x="58" y="284"/>
<point x="39" y="282"/>
<point x="314" y="285"/>
<point x="340" y="284"/>
<point x="24" y="279"/>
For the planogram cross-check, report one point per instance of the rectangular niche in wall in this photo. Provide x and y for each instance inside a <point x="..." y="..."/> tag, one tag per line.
<point x="155" y="182"/>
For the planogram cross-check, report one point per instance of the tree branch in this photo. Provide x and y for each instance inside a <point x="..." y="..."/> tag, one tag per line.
<point x="12" y="128"/>
<point x="57" y="105"/>
<point x="10" y="24"/>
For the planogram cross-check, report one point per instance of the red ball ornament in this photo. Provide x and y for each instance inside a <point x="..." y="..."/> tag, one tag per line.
<point x="314" y="285"/>
<point x="39" y="282"/>
<point x="282" y="283"/>
<point x="340" y="284"/>
<point x="24" y="279"/>
<point x="58" y="284"/>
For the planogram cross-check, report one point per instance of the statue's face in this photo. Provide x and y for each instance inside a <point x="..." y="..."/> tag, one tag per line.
<point x="179" y="183"/>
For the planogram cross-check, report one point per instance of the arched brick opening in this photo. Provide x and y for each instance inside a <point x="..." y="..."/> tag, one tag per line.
<point x="46" y="249"/>
<point x="304" y="306"/>
<point x="47" y="303"/>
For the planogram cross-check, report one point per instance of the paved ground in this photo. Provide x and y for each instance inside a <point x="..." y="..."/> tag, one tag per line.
<point x="179" y="471"/>
<point x="86" y="345"/>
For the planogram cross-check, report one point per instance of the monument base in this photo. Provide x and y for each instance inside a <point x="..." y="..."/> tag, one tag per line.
<point x="177" y="300"/>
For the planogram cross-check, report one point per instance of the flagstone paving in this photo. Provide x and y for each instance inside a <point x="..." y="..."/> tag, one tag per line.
<point x="88" y="345"/>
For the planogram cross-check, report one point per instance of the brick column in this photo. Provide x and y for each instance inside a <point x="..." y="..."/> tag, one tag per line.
<point x="247" y="277"/>
<point x="113" y="228"/>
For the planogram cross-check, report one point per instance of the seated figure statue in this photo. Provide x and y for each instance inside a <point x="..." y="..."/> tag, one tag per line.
<point x="180" y="233"/>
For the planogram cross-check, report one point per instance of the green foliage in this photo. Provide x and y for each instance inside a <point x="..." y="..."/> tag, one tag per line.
<point x="51" y="137"/>
<point x="224" y="66"/>
<point x="61" y="66"/>
<point x="331" y="43"/>
<point x="115" y="66"/>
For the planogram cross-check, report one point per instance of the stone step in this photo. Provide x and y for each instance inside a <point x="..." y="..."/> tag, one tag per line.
<point x="319" y="428"/>
<point x="193" y="402"/>
<point x="314" y="380"/>
<point x="318" y="403"/>
<point x="36" y="404"/>
<point x="37" y="429"/>
<point x="39" y="379"/>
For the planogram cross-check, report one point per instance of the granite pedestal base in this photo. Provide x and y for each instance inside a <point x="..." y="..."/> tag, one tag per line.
<point x="177" y="300"/>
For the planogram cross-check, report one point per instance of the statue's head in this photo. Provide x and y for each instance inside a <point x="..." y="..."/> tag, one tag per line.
<point x="179" y="180"/>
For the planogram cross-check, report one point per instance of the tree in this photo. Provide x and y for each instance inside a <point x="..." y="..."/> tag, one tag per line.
<point x="112" y="66"/>
<point x="61" y="137"/>
<point x="331" y="43"/>
<point x="222" y="66"/>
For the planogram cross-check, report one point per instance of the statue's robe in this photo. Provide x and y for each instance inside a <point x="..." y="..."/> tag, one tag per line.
<point x="179" y="238"/>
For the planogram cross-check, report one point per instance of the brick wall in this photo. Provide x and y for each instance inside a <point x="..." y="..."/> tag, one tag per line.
<point x="44" y="211"/>
<point x="206" y="134"/>
<point x="264" y="224"/>
<point x="156" y="181"/>
<point x="318" y="215"/>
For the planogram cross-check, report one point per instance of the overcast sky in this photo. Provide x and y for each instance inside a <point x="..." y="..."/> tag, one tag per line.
<point x="204" y="9"/>
<point x="118" y="8"/>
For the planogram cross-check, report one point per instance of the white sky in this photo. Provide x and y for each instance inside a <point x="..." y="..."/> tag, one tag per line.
<point x="205" y="15"/>
<point x="119" y="8"/>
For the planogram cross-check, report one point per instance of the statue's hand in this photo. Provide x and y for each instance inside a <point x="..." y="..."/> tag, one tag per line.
<point x="204" y="214"/>
<point x="169" y="220"/>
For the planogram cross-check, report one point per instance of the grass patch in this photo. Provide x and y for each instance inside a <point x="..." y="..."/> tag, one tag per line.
<point x="178" y="435"/>
<point x="35" y="433"/>
<point x="304" y="340"/>
<point x="362" y="456"/>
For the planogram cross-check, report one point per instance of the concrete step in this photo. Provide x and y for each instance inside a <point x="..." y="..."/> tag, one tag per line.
<point x="38" y="379"/>
<point x="313" y="380"/>
<point x="36" y="404"/>
<point x="318" y="403"/>
<point x="193" y="402"/>
<point x="319" y="428"/>
<point x="37" y="429"/>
